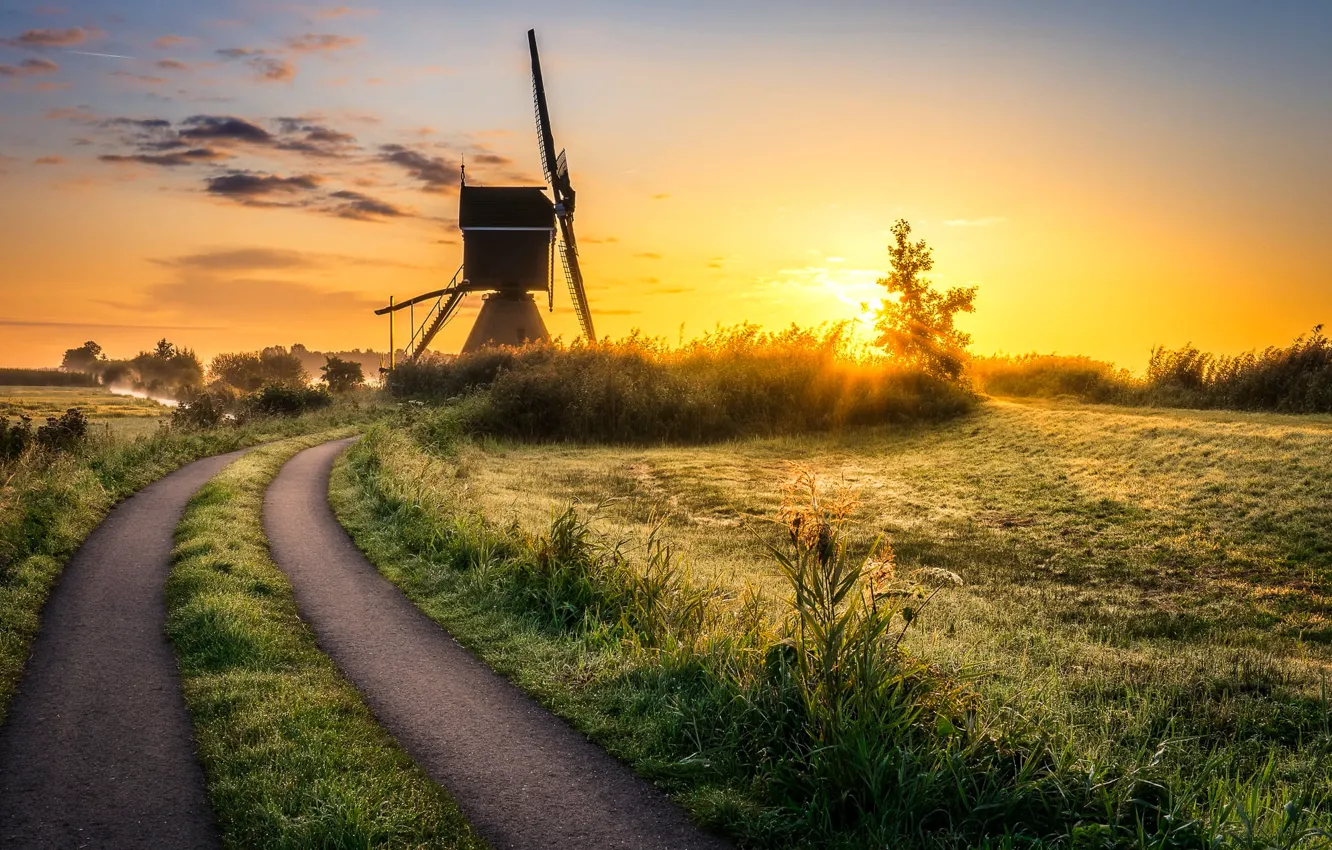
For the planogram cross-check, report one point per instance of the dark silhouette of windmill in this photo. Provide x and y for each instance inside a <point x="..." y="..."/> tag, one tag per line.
<point x="509" y="243"/>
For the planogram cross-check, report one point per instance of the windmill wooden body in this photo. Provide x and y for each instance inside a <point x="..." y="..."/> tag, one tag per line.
<point x="510" y="236"/>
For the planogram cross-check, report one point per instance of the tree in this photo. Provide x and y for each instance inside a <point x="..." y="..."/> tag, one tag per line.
<point x="917" y="326"/>
<point x="85" y="358"/>
<point x="167" y="369"/>
<point x="342" y="375"/>
<point x="250" y="370"/>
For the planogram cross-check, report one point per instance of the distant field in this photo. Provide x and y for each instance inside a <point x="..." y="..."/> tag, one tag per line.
<point x="95" y="402"/>
<point x="1139" y="575"/>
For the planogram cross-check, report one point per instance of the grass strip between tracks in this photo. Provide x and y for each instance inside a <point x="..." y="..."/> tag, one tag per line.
<point x="292" y="755"/>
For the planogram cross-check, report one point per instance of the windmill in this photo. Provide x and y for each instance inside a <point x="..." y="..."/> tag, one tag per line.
<point x="509" y="242"/>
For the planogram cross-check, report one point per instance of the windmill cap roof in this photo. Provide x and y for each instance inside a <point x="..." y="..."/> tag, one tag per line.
<point x="505" y="206"/>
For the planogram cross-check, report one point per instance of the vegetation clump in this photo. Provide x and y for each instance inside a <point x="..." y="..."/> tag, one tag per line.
<point x="735" y="382"/>
<point x="1285" y="379"/>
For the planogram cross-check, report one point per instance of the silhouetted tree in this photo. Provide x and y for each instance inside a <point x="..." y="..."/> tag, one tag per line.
<point x="250" y="370"/>
<point x="918" y="326"/>
<point x="167" y="368"/>
<point x="85" y="358"/>
<point x="342" y="375"/>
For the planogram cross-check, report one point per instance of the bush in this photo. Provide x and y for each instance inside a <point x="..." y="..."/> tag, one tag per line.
<point x="64" y="434"/>
<point x="15" y="437"/>
<point x="287" y="400"/>
<point x="198" y="410"/>
<point x="734" y="383"/>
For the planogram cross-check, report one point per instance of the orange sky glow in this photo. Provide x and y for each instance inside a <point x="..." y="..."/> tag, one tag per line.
<point x="1108" y="184"/>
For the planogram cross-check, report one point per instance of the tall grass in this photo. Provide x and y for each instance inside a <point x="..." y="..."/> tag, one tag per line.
<point x="811" y="728"/>
<point x="1052" y="376"/>
<point x="1293" y="379"/>
<point x="736" y="382"/>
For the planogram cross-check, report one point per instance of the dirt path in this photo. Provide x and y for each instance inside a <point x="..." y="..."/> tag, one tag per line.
<point x="98" y="750"/>
<point x="522" y="776"/>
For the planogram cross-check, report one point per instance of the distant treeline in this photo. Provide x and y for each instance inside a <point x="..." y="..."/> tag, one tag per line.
<point x="45" y="378"/>
<point x="737" y="382"/>
<point x="1292" y="379"/>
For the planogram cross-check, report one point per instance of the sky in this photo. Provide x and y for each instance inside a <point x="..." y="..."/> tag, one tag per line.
<point x="230" y="175"/>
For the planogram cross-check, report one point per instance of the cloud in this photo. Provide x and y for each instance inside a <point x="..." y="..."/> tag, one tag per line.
<point x="173" y="40"/>
<point x="599" y="240"/>
<point x="268" y="259"/>
<point x="242" y="259"/>
<point x="49" y="160"/>
<point x="363" y="207"/>
<point x="975" y="222"/>
<point x="314" y="43"/>
<point x="224" y="128"/>
<point x="491" y="159"/>
<point x="304" y="136"/>
<point x="436" y="173"/>
<point x="77" y="114"/>
<point x="648" y="255"/>
<point x="661" y="197"/>
<point x="37" y="323"/>
<point x="273" y="70"/>
<point x="270" y="68"/>
<point x="193" y="156"/>
<point x="171" y="65"/>
<point x="253" y="184"/>
<point x="29" y="68"/>
<point x="258" y="301"/>
<point x="673" y="290"/>
<point x="345" y="12"/>
<point x="139" y="78"/>
<point x="53" y="38"/>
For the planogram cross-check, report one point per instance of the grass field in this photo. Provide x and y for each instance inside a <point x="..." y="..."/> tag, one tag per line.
<point x="108" y="414"/>
<point x="1149" y="587"/>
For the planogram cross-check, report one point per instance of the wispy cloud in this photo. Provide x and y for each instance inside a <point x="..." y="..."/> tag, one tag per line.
<point x="317" y="42"/>
<point x="29" y="68"/>
<point x="193" y="156"/>
<point x="49" y="160"/>
<point x="345" y="12"/>
<point x="167" y="41"/>
<point x="437" y="174"/>
<point x="252" y="184"/>
<point x="38" y="38"/>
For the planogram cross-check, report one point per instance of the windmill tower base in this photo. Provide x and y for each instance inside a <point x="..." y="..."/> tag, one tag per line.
<point x="506" y="319"/>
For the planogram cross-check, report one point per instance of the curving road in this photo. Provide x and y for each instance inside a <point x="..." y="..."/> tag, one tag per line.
<point x="98" y="750"/>
<point x="523" y="777"/>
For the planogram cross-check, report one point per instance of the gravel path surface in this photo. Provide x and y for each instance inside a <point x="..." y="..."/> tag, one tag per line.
<point x="98" y="750"/>
<point x="523" y="777"/>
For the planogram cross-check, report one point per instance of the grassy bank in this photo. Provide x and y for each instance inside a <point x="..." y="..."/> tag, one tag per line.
<point x="292" y="755"/>
<point x="50" y="502"/>
<point x="1143" y="626"/>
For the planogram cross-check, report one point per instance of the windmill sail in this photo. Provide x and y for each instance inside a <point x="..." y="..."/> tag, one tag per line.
<point x="556" y="170"/>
